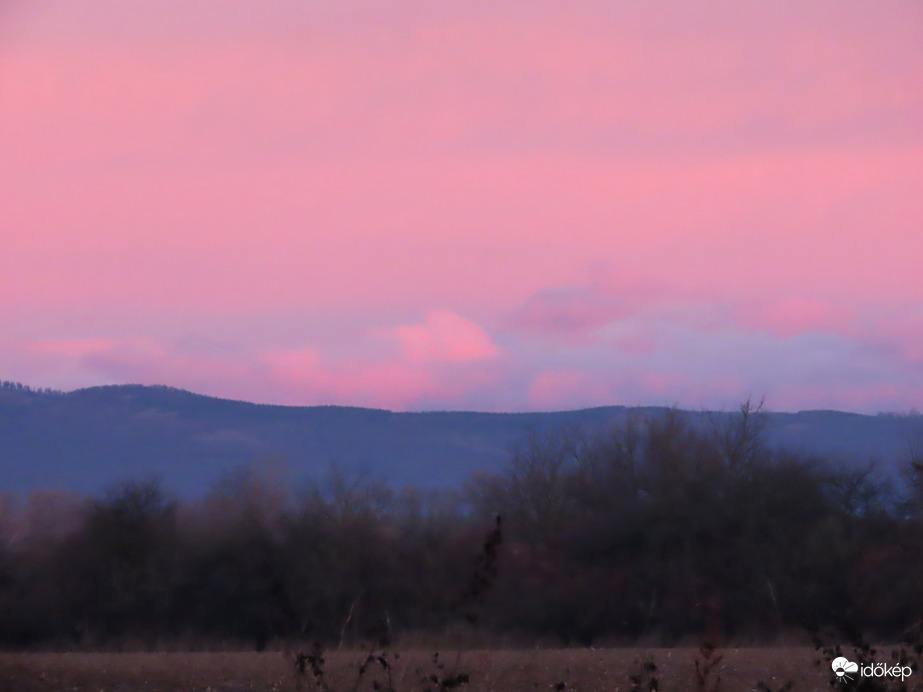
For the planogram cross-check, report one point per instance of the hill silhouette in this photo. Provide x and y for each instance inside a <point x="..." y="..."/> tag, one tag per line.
<point x="86" y="439"/>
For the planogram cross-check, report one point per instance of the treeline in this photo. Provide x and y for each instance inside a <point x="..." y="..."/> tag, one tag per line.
<point x="10" y="386"/>
<point x="657" y="528"/>
<point x="653" y="529"/>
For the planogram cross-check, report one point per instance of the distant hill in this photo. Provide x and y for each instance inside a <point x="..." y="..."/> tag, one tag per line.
<point x="86" y="439"/>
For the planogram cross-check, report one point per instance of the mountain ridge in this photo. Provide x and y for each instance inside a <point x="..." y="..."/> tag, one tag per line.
<point x="87" y="439"/>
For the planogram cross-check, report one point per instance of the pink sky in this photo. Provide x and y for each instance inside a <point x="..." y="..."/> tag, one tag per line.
<point x="496" y="206"/>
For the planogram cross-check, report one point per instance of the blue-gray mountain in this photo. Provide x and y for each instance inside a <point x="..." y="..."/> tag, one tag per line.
<point x="90" y="438"/>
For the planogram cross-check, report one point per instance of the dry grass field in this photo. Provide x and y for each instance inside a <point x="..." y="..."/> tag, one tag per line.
<point x="495" y="671"/>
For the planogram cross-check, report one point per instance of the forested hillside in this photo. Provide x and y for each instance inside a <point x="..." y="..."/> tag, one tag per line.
<point x="86" y="439"/>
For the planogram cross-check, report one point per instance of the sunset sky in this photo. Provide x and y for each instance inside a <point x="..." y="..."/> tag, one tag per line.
<point x="515" y="205"/>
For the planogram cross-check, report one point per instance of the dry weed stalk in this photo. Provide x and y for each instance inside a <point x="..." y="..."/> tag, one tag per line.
<point x="439" y="679"/>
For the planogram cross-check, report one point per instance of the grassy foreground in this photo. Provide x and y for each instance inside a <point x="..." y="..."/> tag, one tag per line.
<point x="496" y="671"/>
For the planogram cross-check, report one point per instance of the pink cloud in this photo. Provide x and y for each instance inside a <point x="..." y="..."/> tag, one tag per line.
<point x="444" y="358"/>
<point x="443" y="336"/>
<point x="395" y="385"/>
<point x="790" y="316"/>
<point x="303" y="378"/>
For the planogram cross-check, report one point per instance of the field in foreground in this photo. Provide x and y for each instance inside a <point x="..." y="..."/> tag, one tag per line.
<point x="497" y="671"/>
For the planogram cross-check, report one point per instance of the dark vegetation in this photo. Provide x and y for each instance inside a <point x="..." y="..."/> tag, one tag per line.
<point x="652" y="530"/>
